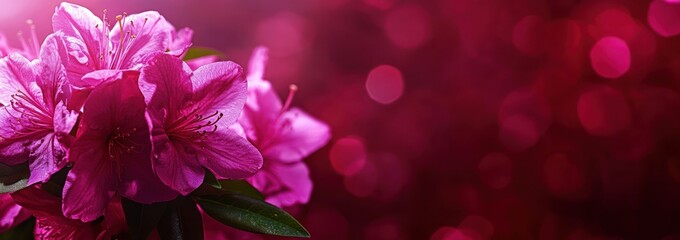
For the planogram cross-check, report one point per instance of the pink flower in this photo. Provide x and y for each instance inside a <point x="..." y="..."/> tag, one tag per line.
<point x="51" y="223"/>
<point x="34" y="121"/>
<point x="93" y="45"/>
<point x="111" y="152"/>
<point x="12" y="214"/>
<point x="189" y="114"/>
<point x="284" y="136"/>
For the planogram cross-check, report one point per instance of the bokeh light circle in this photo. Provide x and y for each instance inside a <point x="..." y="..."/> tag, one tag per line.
<point x="610" y="57"/>
<point x="664" y="17"/>
<point x="603" y="111"/>
<point x="385" y="84"/>
<point x="449" y="233"/>
<point x="562" y="176"/>
<point x="348" y="155"/>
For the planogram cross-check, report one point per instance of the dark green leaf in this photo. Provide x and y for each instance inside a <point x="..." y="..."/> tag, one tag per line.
<point x="251" y="215"/>
<point x="142" y="218"/>
<point x="13" y="178"/>
<point x="241" y="187"/>
<point x="197" y="52"/>
<point x="181" y="220"/>
<point x="211" y="180"/>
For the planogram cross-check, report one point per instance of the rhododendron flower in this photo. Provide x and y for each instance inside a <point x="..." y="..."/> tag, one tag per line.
<point x="34" y="121"/>
<point x="12" y="214"/>
<point x="111" y="152"/>
<point x="284" y="136"/>
<point x="51" y="223"/>
<point x="94" y="45"/>
<point x="189" y="114"/>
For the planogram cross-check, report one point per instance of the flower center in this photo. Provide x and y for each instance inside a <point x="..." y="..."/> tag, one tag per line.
<point x="28" y="116"/>
<point x="120" y="142"/>
<point x="195" y="126"/>
<point x="114" y="56"/>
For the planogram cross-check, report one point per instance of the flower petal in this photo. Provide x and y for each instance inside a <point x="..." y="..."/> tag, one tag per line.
<point x="257" y="63"/>
<point x="283" y="184"/>
<point x="229" y="156"/>
<point x="295" y="136"/>
<point x="83" y="36"/>
<point x="261" y="111"/>
<point x="152" y="33"/>
<point x="51" y="72"/>
<point x="12" y="151"/>
<point x="91" y="183"/>
<point x="220" y="87"/>
<point x="47" y="157"/>
<point x="181" y="41"/>
<point x="176" y="165"/>
<point x="166" y="86"/>
<point x="16" y="74"/>
<point x="114" y="108"/>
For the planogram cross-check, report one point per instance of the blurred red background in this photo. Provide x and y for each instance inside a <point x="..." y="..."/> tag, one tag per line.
<point x="463" y="119"/>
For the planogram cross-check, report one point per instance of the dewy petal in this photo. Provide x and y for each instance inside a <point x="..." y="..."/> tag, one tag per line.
<point x="229" y="156"/>
<point x="176" y="165"/>
<point x="220" y="87"/>
<point x="283" y="184"/>
<point x="295" y="136"/>
<point x="152" y="33"/>
<point x="82" y="35"/>
<point x="12" y="214"/>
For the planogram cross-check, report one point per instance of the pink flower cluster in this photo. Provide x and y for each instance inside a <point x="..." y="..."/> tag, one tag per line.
<point x="117" y="106"/>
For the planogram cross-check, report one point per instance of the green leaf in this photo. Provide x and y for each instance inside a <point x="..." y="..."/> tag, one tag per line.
<point x="181" y="220"/>
<point x="142" y="218"/>
<point x="251" y="215"/>
<point x="13" y="178"/>
<point x="240" y="187"/>
<point x="197" y="52"/>
<point x="211" y="180"/>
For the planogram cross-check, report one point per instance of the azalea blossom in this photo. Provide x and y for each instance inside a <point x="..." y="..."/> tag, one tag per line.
<point x="92" y="44"/>
<point x="111" y="152"/>
<point x="284" y="135"/>
<point x="52" y="224"/>
<point x="34" y="121"/>
<point x="190" y="114"/>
